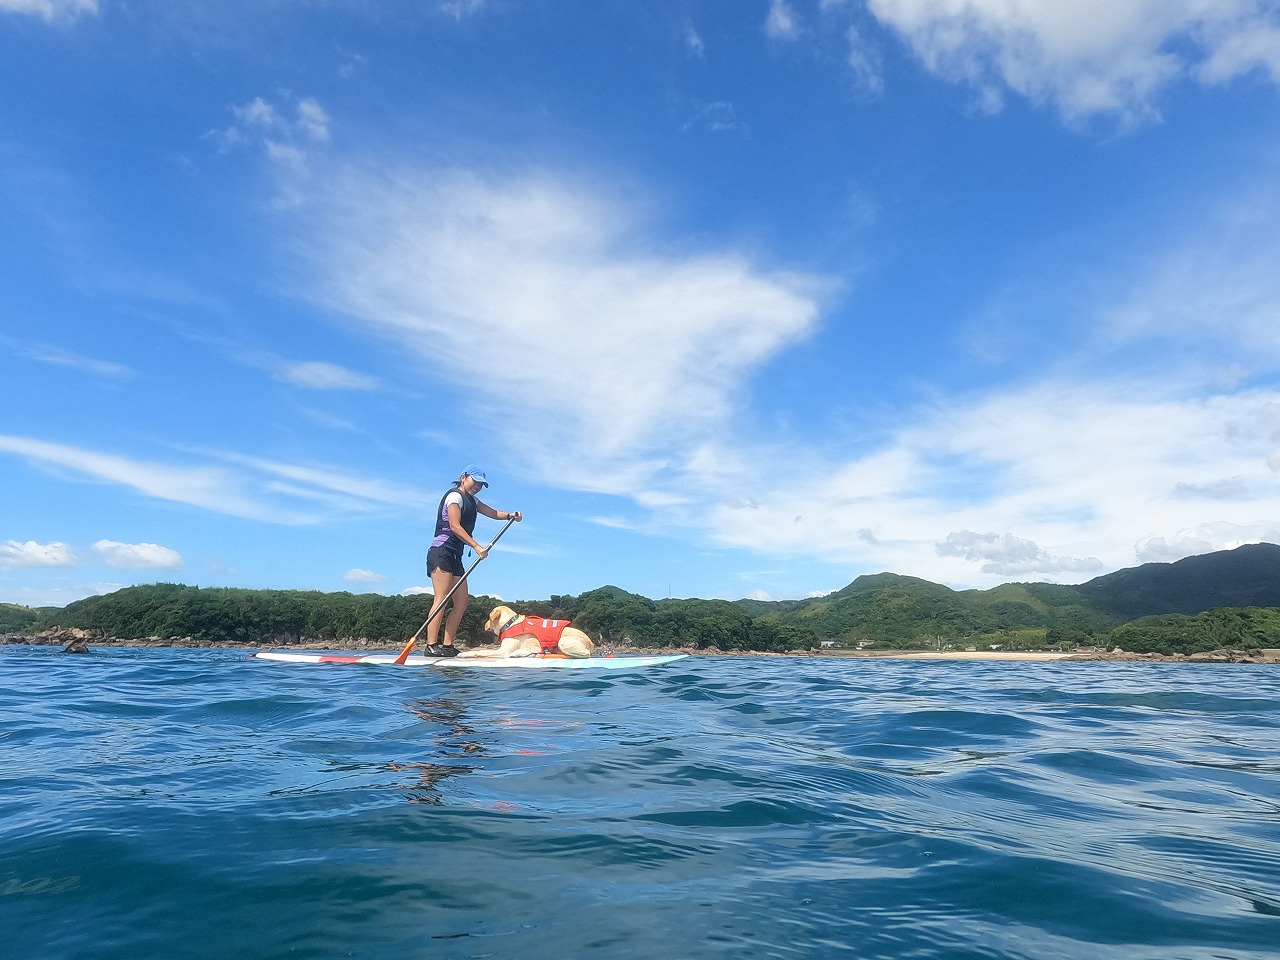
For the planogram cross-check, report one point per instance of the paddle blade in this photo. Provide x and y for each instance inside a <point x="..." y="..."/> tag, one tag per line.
<point x="404" y="654"/>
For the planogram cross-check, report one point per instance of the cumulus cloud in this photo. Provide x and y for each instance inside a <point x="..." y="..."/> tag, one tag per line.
<point x="138" y="556"/>
<point x="1205" y="538"/>
<point x="1090" y="56"/>
<point x="1082" y="473"/>
<point x="1229" y="488"/>
<point x="286" y="134"/>
<point x="286" y="155"/>
<point x="312" y="121"/>
<point x="641" y="350"/>
<point x="988" y="546"/>
<point x="1008" y="555"/>
<point x="864" y="60"/>
<point x="257" y="113"/>
<point x="50" y="10"/>
<point x="780" y="24"/>
<point x="356" y="575"/>
<point x="318" y="375"/>
<point x="1235" y="49"/>
<point x="31" y="554"/>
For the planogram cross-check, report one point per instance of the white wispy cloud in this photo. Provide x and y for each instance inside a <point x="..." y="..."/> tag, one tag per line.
<point x="625" y="352"/>
<point x="319" y="375"/>
<point x="357" y="575"/>
<point x="1215" y="282"/>
<point x="58" y="357"/>
<point x="31" y="554"/>
<point x="614" y="523"/>
<point x="208" y="487"/>
<point x="352" y="491"/>
<point x="50" y="10"/>
<point x="717" y="117"/>
<point x="1090" y="56"/>
<point x="461" y="8"/>
<point x="234" y="484"/>
<point x="308" y="374"/>
<point x="693" y="42"/>
<point x="138" y="556"/>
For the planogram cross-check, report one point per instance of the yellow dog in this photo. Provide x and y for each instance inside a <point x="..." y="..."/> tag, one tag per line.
<point x="521" y="636"/>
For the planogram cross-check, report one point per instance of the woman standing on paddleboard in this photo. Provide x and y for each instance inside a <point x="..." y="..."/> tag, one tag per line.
<point x="455" y="519"/>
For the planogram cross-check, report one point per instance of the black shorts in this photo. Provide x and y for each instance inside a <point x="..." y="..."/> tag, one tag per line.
<point x="442" y="558"/>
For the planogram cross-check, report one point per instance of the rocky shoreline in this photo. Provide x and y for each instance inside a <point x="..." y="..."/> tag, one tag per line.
<point x="82" y="641"/>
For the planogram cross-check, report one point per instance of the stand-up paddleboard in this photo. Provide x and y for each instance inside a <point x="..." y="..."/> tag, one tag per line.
<point x="528" y="663"/>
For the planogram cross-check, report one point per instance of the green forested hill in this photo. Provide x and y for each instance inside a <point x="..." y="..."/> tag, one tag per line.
<point x="890" y="609"/>
<point x="225" y="614"/>
<point x="1211" y="630"/>
<point x="1248" y="576"/>
<point x="884" y="610"/>
<point x="16" y="619"/>
<point x="887" y="609"/>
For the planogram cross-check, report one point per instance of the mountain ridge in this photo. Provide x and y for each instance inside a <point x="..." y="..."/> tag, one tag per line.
<point x="889" y="607"/>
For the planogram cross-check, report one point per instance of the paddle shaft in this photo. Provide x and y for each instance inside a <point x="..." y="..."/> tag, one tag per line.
<point x="439" y="606"/>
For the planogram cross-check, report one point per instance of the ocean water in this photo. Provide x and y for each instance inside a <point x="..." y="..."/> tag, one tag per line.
<point x="196" y="803"/>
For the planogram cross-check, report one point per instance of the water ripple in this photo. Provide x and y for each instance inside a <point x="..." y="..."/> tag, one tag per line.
<point x="173" y="804"/>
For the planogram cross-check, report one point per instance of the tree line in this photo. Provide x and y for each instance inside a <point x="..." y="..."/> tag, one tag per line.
<point x="884" y="611"/>
<point x="293" y="617"/>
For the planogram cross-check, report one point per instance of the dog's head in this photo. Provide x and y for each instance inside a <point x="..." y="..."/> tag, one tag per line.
<point x="497" y="617"/>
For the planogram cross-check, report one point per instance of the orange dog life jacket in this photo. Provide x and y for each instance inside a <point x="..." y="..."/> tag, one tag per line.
<point x="547" y="632"/>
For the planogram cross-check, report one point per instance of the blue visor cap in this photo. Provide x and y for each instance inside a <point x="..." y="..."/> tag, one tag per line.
<point x="475" y="473"/>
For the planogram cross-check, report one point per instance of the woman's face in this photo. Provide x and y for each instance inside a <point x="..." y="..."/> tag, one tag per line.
<point x="471" y="486"/>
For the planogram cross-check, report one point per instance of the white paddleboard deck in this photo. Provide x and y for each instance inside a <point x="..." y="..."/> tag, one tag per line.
<point x="528" y="663"/>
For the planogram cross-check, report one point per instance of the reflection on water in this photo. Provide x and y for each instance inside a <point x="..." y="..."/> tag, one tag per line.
<point x="428" y="776"/>
<point x="455" y="739"/>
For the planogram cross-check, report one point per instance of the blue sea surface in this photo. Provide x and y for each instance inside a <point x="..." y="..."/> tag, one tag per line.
<point x="197" y="803"/>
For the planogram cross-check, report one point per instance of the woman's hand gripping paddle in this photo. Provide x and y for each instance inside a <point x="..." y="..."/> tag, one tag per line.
<point x="439" y="605"/>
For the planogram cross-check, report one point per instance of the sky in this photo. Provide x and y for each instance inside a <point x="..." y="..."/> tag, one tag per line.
<point x="731" y="298"/>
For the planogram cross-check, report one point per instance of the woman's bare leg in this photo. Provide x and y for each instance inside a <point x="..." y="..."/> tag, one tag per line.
<point x="459" y="606"/>
<point x="441" y="584"/>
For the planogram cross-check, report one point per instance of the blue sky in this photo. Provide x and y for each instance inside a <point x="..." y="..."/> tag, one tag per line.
<point x="730" y="298"/>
